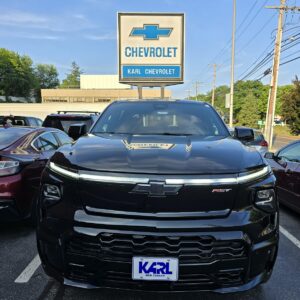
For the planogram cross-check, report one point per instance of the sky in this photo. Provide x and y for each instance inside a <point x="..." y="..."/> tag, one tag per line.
<point x="59" y="32"/>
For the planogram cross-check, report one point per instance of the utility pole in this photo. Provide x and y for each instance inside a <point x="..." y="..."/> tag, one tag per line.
<point x="275" y="70"/>
<point x="215" y="66"/>
<point x="188" y="94"/>
<point x="197" y="86"/>
<point x="232" y="64"/>
<point x="274" y="79"/>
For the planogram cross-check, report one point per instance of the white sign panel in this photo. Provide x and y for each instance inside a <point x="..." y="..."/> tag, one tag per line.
<point x="151" y="48"/>
<point x="227" y="101"/>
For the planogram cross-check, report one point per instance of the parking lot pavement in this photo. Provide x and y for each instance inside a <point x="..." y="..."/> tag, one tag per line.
<point x="19" y="263"/>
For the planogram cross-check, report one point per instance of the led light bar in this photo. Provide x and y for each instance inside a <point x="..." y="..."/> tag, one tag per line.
<point x="63" y="171"/>
<point x="113" y="179"/>
<point x="202" y="181"/>
<point x="134" y="180"/>
<point x="255" y="175"/>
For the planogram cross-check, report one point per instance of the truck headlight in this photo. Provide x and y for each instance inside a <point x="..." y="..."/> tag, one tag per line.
<point x="266" y="200"/>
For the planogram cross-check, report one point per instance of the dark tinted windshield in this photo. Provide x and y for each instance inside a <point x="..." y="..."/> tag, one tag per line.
<point x="10" y="135"/>
<point x="161" y="118"/>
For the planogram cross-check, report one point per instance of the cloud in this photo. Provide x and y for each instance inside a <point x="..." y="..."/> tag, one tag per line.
<point x="79" y="16"/>
<point x="103" y="37"/>
<point x="18" y="18"/>
<point x="55" y="23"/>
<point x="32" y="36"/>
<point x="39" y="37"/>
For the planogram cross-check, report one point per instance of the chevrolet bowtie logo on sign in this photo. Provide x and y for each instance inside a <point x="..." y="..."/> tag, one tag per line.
<point x="151" y="32"/>
<point x="151" y="48"/>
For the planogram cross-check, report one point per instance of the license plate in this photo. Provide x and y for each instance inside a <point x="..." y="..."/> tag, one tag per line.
<point x="155" y="268"/>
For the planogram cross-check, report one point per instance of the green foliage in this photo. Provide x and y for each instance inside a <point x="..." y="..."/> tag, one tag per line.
<point x="281" y="92"/>
<point x="73" y="78"/>
<point x="291" y="107"/>
<point x="16" y="74"/>
<point x="220" y="96"/>
<point x="248" y="114"/>
<point x="250" y="101"/>
<point x="47" y="76"/>
<point x="254" y="91"/>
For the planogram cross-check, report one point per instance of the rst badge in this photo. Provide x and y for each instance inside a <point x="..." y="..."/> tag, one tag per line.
<point x="155" y="268"/>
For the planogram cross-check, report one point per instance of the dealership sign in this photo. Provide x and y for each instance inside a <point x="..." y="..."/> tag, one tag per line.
<point x="151" y="48"/>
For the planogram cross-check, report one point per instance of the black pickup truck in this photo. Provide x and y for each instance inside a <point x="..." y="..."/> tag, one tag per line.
<point x="158" y="196"/>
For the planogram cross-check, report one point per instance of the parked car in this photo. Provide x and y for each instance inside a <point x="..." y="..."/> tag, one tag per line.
<point x="286" y="167"/>
<point x="64" y="119"/>
<point x="259" y="141"/>
<point x="21" y="120"/>
<point x="24" y="152"/>
<point x="158" y="196"/>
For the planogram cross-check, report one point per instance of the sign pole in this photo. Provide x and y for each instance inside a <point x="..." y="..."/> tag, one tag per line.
<point x="232" y="64"/>
<point x="140" y="92"/>
<point x="162" y="92"/>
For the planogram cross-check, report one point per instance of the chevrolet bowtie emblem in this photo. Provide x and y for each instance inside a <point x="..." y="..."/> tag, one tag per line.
<point x="151" y="32"/>
<point x="156" y="189"/>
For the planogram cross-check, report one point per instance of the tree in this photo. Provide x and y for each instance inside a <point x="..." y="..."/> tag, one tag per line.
<point x="248" y="114"/>
<point x="282" y="90"/>
<point x="73" y="78"/>
<point x="46" y="76"/>
<point x="291" y="107"/>
<point x="256" y="91"/>
<point x="16" y="74"/>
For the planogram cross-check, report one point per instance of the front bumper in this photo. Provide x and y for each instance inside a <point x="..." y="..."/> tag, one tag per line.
<point x="221" y="255"/>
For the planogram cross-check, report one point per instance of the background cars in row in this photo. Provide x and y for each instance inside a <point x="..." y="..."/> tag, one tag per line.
<point x="64" y="119"/>
<point x="24" y="152"/>
<point x="259" y="141"/>
<point x="21" y="120"/>
<point x="286" y="167"/>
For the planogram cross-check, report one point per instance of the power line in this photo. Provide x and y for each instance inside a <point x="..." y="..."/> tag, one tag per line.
<point x="254" y="36"/>
<point x="269" y="57"/>
<point x="289" y="61"/>
<point x="228" y="43"/>
<point x="252" y="20"/>
<point x="266" y="49"/>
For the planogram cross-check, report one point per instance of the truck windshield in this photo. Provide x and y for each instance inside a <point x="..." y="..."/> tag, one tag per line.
<point x="161" y="118"/>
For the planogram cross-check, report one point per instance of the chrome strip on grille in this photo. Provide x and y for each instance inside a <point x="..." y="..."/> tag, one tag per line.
<point x="241" y="178"/>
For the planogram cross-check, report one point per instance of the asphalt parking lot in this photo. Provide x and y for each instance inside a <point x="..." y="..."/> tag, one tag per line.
<point x="22" y="277"/>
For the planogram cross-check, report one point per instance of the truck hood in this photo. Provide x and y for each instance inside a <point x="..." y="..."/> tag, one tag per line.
<point x="159" y="155"/>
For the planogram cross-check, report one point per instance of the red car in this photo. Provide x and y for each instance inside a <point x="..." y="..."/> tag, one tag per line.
<point x="286" y="167"/>
<point x="24" y="152"/>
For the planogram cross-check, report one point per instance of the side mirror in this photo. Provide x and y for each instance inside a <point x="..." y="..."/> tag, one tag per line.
<point x="244" y="134"/>
<point x="76" y="131"/>
<point x="269" y="155"/>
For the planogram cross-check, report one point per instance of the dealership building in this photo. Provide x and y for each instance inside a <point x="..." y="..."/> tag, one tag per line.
<point x="97" y="89"/>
